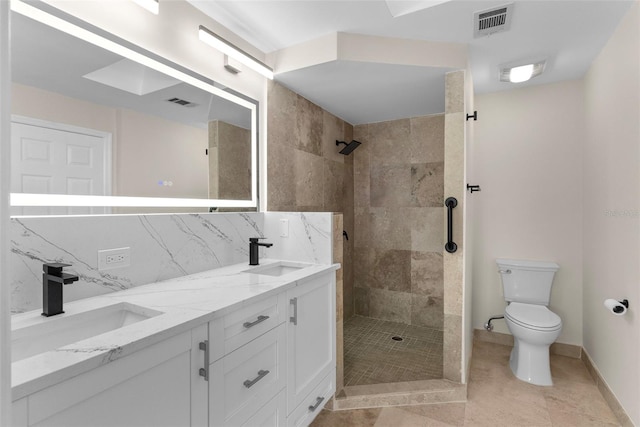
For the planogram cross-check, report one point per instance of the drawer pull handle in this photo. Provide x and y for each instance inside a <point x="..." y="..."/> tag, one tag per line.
<point x="204" y="372"/>
<point x="255" y="322"/>
<point x="261" y="375"/>
<point x="294" y="319"/>
<point x="319" y="400"/>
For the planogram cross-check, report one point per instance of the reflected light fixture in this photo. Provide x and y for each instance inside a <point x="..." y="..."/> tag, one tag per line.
<point x="521" y="73"/>
<point x="152" y="6"/>
<point x="214" y="40"/>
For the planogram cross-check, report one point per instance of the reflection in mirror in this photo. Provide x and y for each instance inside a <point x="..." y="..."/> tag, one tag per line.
<point x="87" y="121"/>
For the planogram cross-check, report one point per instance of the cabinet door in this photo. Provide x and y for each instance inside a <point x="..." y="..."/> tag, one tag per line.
<point x="153" y="386"/>
<point x="311" y="336"/>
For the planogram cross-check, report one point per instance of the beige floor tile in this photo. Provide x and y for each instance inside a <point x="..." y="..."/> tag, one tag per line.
<point x="396" y="417"/>
<point x="580" y="398"/>
<point x="575" y="419"/>
<point x="568" y="369"/>
<point x="449" y="414"/>
<point x="353" y="418"/>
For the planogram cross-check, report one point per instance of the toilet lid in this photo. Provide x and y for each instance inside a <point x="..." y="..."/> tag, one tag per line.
<point x="533" y="316"/>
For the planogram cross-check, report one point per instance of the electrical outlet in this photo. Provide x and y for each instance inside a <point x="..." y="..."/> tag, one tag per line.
<point x="284" y="228"/>
<point x="114" y="258"/>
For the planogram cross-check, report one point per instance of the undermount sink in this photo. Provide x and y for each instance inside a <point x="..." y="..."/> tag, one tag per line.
<point x="276" y="269"/>
<point x="55" y="332"/>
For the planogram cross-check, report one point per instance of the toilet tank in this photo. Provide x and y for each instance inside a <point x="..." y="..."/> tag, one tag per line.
<point x="527" y="281"/>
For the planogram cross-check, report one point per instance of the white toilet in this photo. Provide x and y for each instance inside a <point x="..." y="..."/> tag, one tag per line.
<point x="527" y="290"/>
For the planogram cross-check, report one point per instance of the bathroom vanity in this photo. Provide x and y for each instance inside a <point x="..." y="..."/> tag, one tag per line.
<point x="236" y="346"/>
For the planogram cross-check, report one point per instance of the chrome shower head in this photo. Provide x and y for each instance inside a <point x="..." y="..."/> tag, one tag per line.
<point x="348" y="147"/>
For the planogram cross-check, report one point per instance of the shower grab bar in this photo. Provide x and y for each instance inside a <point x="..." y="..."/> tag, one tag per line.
<point x="450" y="246"/>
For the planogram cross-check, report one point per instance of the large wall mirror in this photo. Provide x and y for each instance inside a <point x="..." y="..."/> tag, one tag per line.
<point x="99" y="127"/>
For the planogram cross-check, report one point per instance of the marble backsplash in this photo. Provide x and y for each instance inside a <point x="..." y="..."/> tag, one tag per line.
<point x="162" y="247"/>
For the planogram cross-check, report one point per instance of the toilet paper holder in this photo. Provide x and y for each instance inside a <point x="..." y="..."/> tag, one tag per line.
<point x="617" y="307"/>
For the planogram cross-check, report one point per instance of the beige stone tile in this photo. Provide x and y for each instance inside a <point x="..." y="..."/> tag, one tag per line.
<point x="427" y="139"/>
<point x="389" y="228"/>
<point x="353" y="418"/>
<point x="332" y="130"/>
<point x="339" y="301"/>
<point x="454" y="185"/>
<point x="427" y="184"/>
<point x="574" y="396"/>
<point x="452" y="347"/>
<point x="454" y="92"/>
<point x="446" y="414"/>
<point x="362" y="227"/>
<point x="427" y="311"/>
<point x="390" y="305"/>
<point x="389" y="269"/>
<point x="386" y="139"/>
<point x="427" y="274"/>
<point x="338" y="226"/>
<point x="361" y="189"/>
<point x="576" y="419"/>
<point x="426" y="228"/>
<point x="453" y="282"/>
<point x="339" y="356"/>
<point x="568" y="350"/>
<point x="308" y="129"/>
<point x="281" y="177"/>
<point x="394" y="417"/>
<point x="333" y="197"/>
<point x="309" y="185"/>
<point x="362" y="274"/>
<point x="391" y="185"/>
<point x="569" y="369"/>
<point x="361" y="301"/>
<point x="281" y="120"/>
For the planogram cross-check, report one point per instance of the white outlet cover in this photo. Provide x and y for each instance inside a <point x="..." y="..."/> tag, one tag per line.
<point x="284" y="228"/>
<point x="124" y="254"/>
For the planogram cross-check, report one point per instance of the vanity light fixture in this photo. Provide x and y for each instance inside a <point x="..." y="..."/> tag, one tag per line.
<point x="521" y="73"/>
<point x="152" y="6"/>
<point x="214" y="40"/>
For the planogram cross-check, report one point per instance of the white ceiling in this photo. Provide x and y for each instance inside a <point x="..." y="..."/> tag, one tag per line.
<point x="568" y="33"/>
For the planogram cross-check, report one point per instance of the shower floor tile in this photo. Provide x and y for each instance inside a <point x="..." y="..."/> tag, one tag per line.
<point x="371" y="356"/>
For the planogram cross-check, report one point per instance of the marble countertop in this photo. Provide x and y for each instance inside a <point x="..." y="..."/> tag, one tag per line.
<point x="185" y="302"/>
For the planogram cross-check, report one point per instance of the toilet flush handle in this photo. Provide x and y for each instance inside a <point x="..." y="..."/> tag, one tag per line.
<point x="504" y="271"/>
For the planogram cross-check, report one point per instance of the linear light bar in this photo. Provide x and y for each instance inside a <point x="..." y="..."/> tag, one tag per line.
<point x="521" y="73"/>
<point x="152" y="6"/>
<point x="214" y="40"/>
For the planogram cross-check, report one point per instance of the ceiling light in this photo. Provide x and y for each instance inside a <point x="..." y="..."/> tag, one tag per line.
<point x="214" y="40"/>
<point x="521" y="73"/>
<point x="152" y="6"/>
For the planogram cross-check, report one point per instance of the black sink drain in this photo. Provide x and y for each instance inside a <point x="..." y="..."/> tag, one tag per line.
<point x="397" y="338"/>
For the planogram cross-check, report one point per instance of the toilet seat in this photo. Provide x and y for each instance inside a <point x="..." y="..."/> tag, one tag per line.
<point x="532" y="316"/>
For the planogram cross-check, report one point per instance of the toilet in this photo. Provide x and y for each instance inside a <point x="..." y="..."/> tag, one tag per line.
<point x="527" y="290"/>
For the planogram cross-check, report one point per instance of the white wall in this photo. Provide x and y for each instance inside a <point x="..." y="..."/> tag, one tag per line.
<point x="527" y="159"/>
<point x="612" y="211"/>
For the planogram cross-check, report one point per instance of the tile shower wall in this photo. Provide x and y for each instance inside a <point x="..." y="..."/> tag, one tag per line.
<point x="162" y="247"/>
<point x="398" y="196"/>
<point x="305" y="170"/>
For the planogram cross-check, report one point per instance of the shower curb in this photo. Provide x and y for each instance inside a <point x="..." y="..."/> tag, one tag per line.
<point x="398" y="394"/>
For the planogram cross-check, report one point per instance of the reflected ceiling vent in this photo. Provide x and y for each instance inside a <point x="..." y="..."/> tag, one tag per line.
<point x="182" y="102"/>
<point x="492" y="21"/>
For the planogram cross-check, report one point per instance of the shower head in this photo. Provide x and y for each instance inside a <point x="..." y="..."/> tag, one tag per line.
<point x="348" y="147"/>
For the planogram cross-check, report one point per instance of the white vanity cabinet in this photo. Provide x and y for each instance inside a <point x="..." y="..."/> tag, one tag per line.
<point x="311" y="350"/>
<point x="159" y="385"/>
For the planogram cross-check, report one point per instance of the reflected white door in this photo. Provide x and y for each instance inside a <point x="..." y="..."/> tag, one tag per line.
<point x="57" y="159"/>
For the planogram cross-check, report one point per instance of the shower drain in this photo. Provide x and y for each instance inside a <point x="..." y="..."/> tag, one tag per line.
<point x="397" y="338"/>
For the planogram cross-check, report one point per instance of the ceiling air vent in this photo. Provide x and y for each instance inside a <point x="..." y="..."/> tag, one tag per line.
<point x="492" y="21"/>
<point x="182" y="102"/>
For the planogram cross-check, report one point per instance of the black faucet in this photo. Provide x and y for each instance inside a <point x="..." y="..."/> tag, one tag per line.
<point x="253" y="249"/>
<point x="52" y="280"/>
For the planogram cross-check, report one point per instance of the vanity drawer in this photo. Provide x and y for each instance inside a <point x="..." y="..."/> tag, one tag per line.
<point x="234" y="330"/>
<point x="245" y="380"/>
<point x="273" y="414"/>
<point x="314" y="402"/>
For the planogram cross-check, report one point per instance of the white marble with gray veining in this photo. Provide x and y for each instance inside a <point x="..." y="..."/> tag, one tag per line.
<point x="162" y="247"/>
<point x="185" y="302"/>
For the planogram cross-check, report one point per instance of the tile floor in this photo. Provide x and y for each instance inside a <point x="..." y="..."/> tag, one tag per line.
<point x="497" y="398"/>
<point x="371" y="356"/>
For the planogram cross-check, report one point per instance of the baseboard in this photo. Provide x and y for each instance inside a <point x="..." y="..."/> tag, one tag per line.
<point x="606" y="392"/>
<point x="558" y="348"/>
